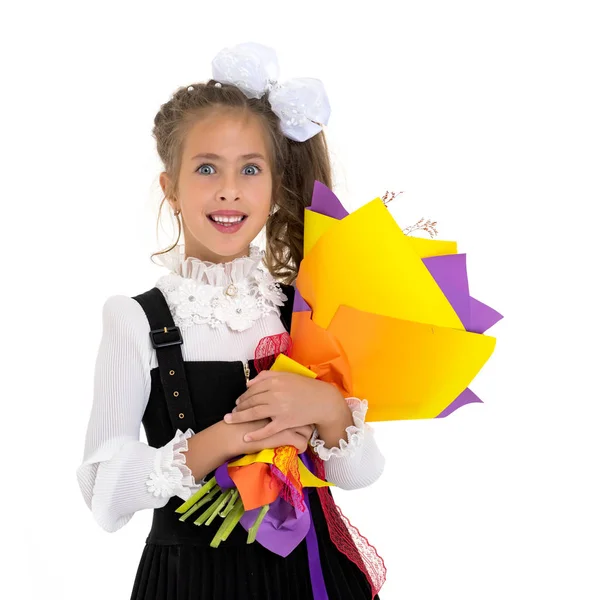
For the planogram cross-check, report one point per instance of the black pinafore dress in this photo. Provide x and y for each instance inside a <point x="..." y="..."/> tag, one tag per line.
<point x="177" y="562"/>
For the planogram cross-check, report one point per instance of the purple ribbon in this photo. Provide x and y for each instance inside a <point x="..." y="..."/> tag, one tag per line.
<point x="314" y="561"/>
<point x="284" y="527"/>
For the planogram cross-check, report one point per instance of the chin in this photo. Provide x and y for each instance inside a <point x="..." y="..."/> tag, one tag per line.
<point x="227" y="248"/>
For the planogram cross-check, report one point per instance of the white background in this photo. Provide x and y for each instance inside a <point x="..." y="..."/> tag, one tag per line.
<point x="484" y="114"/>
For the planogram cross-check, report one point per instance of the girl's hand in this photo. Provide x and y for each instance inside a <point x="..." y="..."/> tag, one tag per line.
<point x="295" y="436"/>
<point x="290" y="400"/>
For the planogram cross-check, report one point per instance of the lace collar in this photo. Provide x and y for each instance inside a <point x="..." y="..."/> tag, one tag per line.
<point x="236" y="293"/>
<point x="203" y="271"/>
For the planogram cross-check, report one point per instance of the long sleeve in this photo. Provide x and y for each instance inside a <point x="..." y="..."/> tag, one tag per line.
<point x="120" y="474"/>
<point x="357" y="462"/>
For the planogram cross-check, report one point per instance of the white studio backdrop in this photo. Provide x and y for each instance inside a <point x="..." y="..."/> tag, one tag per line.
<point x="483" y="114"/>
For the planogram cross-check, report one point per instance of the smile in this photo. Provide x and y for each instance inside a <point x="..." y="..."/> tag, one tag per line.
<point x="220" y="219"/>
<point x="227" y="224"/>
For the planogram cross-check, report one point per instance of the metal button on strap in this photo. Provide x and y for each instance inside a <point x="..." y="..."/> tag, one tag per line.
<point x="171" y="372"/>
<point x="181" y="415"/>
<point x="175" y="394"/>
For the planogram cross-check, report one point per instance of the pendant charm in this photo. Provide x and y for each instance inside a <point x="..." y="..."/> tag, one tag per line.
<point x="231" y="290"/>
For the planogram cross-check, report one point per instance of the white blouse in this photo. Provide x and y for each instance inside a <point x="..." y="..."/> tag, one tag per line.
<point x="120" y="474"/>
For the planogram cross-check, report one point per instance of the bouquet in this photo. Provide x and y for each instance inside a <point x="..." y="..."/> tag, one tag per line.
<point x="373" y="307"/>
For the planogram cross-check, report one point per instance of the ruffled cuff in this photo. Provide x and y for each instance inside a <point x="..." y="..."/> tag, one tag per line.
<point x="171" y="476"/>
<point x="355" y="433"/>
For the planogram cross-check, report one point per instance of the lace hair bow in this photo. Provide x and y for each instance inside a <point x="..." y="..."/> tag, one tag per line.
<point x="300" y="103"/>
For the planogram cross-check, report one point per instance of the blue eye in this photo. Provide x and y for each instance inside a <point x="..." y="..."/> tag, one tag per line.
<point x="205" y="167"/>
<point x="258" y="169"/>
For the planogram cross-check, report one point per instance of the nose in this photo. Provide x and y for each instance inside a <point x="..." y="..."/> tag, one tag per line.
<point x="229" y="191"/>
<point x="228" y="196"/>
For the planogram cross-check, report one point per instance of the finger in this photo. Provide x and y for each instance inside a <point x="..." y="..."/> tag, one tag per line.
<point x="262" y="434"/>
<point x="303" y="428"/>
<point x="252" y="414"/>
<point x="260" y="377"/>
<point x="258" y="388"/>
<point x="263" y="398"/>
<point x="300" y="442"/>
<point x="307" y="430"/>
<point x="251" y="402"/>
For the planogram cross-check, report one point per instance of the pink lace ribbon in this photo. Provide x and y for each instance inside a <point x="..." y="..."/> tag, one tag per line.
<point x="345" y="536"/>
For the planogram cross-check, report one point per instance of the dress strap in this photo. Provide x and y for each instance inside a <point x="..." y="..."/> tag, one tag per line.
<point x="287" y="308"/>
<point x="166" y="339"/>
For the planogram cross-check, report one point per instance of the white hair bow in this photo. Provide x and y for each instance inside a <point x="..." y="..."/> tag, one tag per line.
<point x="300" y="103"/>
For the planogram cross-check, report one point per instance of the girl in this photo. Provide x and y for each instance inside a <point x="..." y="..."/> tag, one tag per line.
<point x="178" y="357"/>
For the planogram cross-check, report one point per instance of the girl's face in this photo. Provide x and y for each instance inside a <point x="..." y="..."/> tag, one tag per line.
<point x="225" y="185"/>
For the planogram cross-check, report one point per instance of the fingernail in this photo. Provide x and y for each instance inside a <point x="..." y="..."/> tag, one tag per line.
<point x="247" y="438"/>
<point x="227" y="418"/>
<point x="234" y="409"/>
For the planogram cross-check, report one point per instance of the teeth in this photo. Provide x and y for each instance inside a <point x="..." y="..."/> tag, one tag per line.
<point x="221" y="219"/>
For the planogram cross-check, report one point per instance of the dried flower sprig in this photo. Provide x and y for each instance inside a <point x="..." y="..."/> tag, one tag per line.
<point x="386" y="200"/>
<point x="428" y="226"/>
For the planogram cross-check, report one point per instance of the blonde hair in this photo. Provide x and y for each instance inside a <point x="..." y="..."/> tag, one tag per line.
<point x="295" y="166"/>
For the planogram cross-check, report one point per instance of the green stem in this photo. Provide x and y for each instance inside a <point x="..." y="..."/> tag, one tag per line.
<point x="210" y="510"/>
<point x="232" y="501"/>
<point x="202" y="502"/>
<point x="224" y="498"/>
<point x="231" y="520"/>
<point x="193" y="499"/>
<point x="254" y="529"/>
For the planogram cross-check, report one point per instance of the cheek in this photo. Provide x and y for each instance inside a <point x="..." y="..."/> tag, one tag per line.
<point x="262" y="200"/>
<point x="260" y="215"/>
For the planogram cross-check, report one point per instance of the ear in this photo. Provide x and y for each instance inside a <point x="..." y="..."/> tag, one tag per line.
<point x="165" y="185"/>
<point x="164" y="182"/>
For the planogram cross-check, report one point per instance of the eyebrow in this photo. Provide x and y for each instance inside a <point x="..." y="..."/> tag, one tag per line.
<point x="212" y="156"/>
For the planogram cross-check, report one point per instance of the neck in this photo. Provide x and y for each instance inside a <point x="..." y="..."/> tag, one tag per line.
<point x="205" y="254"/>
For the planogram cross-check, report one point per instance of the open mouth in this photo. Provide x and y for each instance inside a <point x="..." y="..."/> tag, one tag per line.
<point x="227" y="224"/>
<point x="227" y="220"/>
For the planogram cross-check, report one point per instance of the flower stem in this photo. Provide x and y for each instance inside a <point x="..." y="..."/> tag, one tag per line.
<point x="211" y="509"/>
<point x="224" y="498"/>
<point x="193" y="499"/>
<point x="231" y="520"/>
<point x="254" y="529"/>
<point x="202" y="502"/>
<point x="232" y="501"/>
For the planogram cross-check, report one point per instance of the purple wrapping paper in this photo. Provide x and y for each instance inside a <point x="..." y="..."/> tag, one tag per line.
<point x="325" y="202"/>
<point x="450" y="273"/>
<point x="300" y="304"/>
<point x="282" y="528"/>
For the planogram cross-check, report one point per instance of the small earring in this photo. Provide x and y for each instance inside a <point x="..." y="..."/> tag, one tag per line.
<point x="176" y="213"/>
